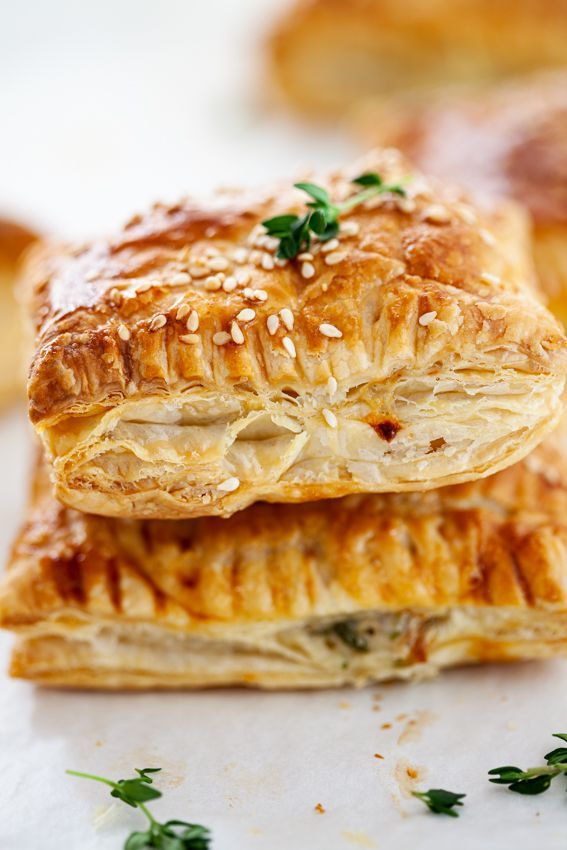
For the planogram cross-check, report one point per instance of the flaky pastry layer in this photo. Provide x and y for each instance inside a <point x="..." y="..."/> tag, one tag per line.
<point x="326" y="55"/>
<point x="181" y="369"/>
<point x="346" y="591"/>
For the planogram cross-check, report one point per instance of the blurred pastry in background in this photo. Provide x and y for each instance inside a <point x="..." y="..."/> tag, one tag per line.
<point x="350" y="591"/>
<point x="510" y="140"/>
<point x="327" y="54"/>
<point x="14" y="239"/>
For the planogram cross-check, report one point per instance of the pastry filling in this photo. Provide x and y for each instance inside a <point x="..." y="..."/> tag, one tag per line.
<point x="362" y="648"/>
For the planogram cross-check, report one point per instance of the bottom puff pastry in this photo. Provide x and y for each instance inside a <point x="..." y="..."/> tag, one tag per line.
<point x="14" y="239"/>
<point x="349" y="591"/>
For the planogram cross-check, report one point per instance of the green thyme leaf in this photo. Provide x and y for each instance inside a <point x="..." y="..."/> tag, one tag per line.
<point x="347" y="631"/>
<point x="368" y="179"/>
<point x="558" y="756"/>
<point x="440" y="801"/>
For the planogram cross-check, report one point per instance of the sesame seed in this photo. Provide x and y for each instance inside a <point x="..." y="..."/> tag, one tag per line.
<point x="427" y="318"/>
<point x="330" y="331"/>
<point x="123" y="333"/>
<point x="335" y="257"/>
<point x="331" y="245"/>
<point x="468" y="214"/>
<point x="240" y="255"/>
<point x="115" y="295"/>
<point x="246" y="315"/>
<point x="260" y="294"/>
<point x="212" y="284"/>
<point x="182" y="311"/>
<point x="236" y="333"/>
<point x="289" y="346"/>
<point x="190" y="339"/>
<point x="260" y="240"/>
<point x="256" y="257"/>
<point x="243" y="277"/>
<point x="267" y="262"/>
<point x="210" y="231"/>
<point x="487" y="236"/>
<point x="193" y="321"/>
<point x="287" y="318"/>
<point x="329" y="417"/>
<point x="332" y="385"/>
<point x="221" y="338"/>
<point x="486" y="277"/>
<point x="273" y="324"/>
<point x="406" y="205"/>
<point x="229" y="485"/>
<point x="306" y="255"/>
<point x="218" y="264"/>
<point x="307" y="270"/>
<point x="180" y="277"/>
<point x="436" y="214"/>
<point x="158" y="322"/>
<point x="198" y="271"/>
<point x="349" y="228"/>
<point x="230" y="284"/>
<point x="248" y="293"/>
<point x="280" y="262"/>
<point x="271" y="243"/>
<point x="144" y="287"/>
<point x="211" y="251"/>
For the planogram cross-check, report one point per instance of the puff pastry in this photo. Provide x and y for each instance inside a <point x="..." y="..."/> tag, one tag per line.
<point x="180" y="370"/>
<point x="347" y="591"/>
<point x="510" y="140"/>
<point x="327" y="54"/>
<point x="14" y="239"/>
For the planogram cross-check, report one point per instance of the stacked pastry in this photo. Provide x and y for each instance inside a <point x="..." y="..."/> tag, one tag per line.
<point x="388" y="398"/>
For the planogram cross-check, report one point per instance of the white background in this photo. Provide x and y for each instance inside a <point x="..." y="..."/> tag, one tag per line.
<point x="104" y="107"/>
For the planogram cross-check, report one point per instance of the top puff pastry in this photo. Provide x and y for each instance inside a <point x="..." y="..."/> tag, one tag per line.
<point x="506" y="141"/>
<point x="14" y="239"/>
<point x="413" y="354"/>
<point x="328" y="54"/>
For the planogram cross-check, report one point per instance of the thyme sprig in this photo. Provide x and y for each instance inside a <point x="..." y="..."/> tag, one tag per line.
<point x="295" y="232"/>
<point x="136" y="792"/>
<point x="534" y="780"/>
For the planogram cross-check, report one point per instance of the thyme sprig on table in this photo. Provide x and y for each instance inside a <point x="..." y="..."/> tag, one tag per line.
<point x="295" y="232"/>
<point x="534" y="780"/>
<point x="136" y="792"/>
<point x="440" y="801"/>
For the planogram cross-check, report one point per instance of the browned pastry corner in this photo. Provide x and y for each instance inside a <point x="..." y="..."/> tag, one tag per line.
<point x="348" y="591"/>
<point x="182" y="369"/>
<point x="326" y="55"/>
<point x="510" y="140"/>
<point x="14" y="239"/>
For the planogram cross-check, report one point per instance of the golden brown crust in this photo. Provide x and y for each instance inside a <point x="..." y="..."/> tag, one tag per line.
<point x="328" y="54"/>
<point x="14" y="240"/>
<point x="507" y="141"/>
<point x="429" y="288"/>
